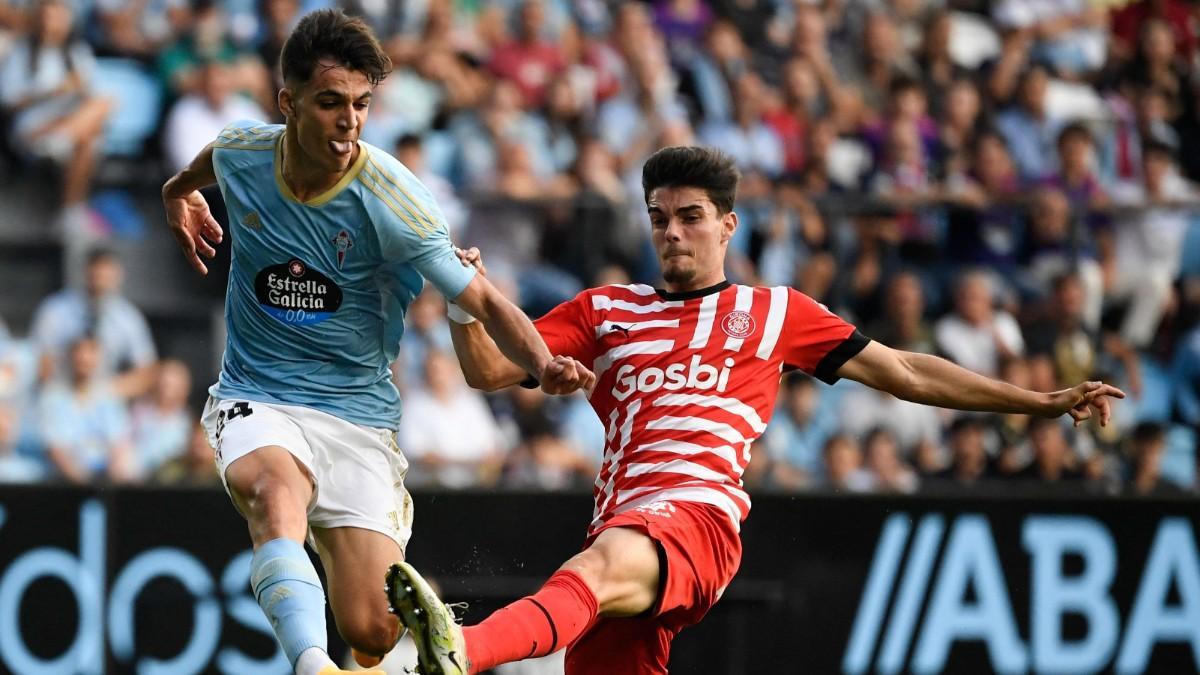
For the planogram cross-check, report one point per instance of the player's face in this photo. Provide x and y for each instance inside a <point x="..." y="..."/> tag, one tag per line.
<point x="690" y="237"/>
<point x="327" y="115"/>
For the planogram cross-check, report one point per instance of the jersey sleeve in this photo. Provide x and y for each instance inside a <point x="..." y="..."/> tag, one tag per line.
<point x="410" y="226"/>
<point x="568" y="329"/>
<point x="816" y="340"/>
<point x="240" y="136"/>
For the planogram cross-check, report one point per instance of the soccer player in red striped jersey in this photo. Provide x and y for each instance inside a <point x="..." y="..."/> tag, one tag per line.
<point x="686" y="380"/>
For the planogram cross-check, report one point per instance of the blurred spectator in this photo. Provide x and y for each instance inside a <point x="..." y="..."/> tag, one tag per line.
<point x="530" y="61"/>
<point x="1054" y="459"/>
<point x="1027" y="127"/>
<point x="913" y="426"/>
<point x="425" y="331"/>
<point x="411" y="154"/>
<point x="796" y="436"/>
<point x="1007" y="434"/>
<point x="162" y="421"/>
<point x="196" y="466"/>
<point x="447" y="431"/>
<point x="1072" y="35"/>
<point x="969" y="461"/>
<point x="1052" y="249"/>
<point x="976" y="335"/>
<point x="1127" y="23"/>
<point x="1157" y="64"/>
<point x="208" y="39"/>
<point x="746" y="138"/>
<point x="1148" y="443"/>
<point x="883" y="460"/>
<point x="903" y="325"/>
<point x="546" y="461"/>
<point x="940" y="74"/>
<point x="45" y="90"/>
<point x="14" y="466"/>
<point x="985" y="221"/>
<point x="867" y="72"/>
<point x="843" y="466"/>
<point x="1141" y="256"/>
<point x="83" y="424"/>
<point x="199" y="116"/>
<point x="99" y="310"/>
<point x="1062" y="338"/>
<point x="1076" y="175"/>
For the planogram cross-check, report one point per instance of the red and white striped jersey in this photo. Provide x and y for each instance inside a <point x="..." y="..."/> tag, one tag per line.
<point x="687" y="381"/>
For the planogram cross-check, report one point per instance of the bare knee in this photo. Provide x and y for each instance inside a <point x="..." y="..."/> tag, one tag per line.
<point x="273" y="496"/>
<point x="622" y="569"/>
<point x="370" y="632"/>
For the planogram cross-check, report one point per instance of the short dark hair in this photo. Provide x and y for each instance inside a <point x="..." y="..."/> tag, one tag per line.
<point x="1075" y="130"/>
<point x="409" y="141"/>
<point x="329" y="33"/>
<point x="101" y="254"/>
<point x="692" y="166"/>
<point x="1153" y="146"/>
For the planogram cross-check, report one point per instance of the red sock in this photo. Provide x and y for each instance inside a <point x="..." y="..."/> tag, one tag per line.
<point x="535" y="625"/>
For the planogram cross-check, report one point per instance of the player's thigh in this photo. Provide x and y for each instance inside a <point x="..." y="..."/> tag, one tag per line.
<point x="623" y="567"/>
<point x="261" y="454"/>
<point x="630" y="646"/>
<point x="355" y="562"/>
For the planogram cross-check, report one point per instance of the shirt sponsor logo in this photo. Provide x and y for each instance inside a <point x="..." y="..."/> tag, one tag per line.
<point x="252" y="221"/>
<point x="738" y="324"/>
<point x="296" y="294"/>
<point x="692" y="375"/>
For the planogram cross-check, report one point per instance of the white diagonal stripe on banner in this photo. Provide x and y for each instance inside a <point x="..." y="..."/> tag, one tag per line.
<point x="775" y="316"/>
<point x="730" y="405"/>
<point x="745" y="300"/>
<point x="704" y="321"/>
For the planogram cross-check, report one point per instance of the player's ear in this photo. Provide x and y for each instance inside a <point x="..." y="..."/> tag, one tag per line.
<point x="286" y="102"/>
<point x="729" y="223"/>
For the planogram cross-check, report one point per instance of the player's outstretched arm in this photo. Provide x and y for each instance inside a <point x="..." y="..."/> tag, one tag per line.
<point x="927" y="379"/>
<point x="482" y="362"/>
<point x="188" y="215"/>
<point x="517" y="341"/>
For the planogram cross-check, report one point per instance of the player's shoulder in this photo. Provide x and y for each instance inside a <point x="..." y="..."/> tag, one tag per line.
<point x="394" y="194"/>
<point x="248" y="135"/>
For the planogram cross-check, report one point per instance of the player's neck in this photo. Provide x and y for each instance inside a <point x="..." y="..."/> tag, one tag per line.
<point x="693" y="290"/>
<point x="305" y="179"/>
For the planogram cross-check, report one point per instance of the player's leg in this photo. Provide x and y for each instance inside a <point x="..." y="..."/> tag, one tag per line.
<point x="618" y="575"/>
<point x="263" y="459"/>
<point x="639" y="645"/>
<point x="355" y="561"/>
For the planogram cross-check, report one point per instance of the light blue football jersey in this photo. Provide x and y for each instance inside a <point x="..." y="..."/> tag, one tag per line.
<point x="318" y="290"/>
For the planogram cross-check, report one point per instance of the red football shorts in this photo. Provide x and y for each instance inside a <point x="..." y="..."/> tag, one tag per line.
<point x="702" y="551"/>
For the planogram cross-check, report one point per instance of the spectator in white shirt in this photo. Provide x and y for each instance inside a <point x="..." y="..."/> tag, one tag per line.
<point x="197" y="118"/>
<point x="161" y="422"/>
<point x="447" y="431"/>
<point x="1142" y="254"/>
<point x="977" y="336"/>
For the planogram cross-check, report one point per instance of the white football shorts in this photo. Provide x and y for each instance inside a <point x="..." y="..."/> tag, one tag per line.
<point x="357" y="471"/>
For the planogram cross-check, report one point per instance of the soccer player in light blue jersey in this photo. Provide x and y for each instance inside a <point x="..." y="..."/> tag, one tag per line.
<point x="332" y="239"/>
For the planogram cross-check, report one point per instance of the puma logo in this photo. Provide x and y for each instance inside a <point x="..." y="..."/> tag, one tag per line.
<point x="623" y="329"/>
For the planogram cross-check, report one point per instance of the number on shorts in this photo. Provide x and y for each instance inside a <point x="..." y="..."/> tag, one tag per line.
<point x="239" y="409"/>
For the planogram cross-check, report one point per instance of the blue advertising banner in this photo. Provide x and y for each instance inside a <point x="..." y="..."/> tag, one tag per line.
<point x="155" y="581"/>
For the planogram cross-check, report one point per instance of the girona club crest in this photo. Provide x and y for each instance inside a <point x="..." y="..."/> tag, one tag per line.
<point x="343" y="243"/>
<point x="738" y="324"/>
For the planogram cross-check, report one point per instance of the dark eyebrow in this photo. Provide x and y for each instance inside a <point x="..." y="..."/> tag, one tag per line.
<point x="332" y="93"/>
<point x="685" y="210"/>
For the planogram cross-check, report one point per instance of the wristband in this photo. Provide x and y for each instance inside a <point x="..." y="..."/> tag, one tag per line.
<point x="458" y="314"/>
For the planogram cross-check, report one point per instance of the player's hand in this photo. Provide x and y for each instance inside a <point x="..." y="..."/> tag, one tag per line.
<point x="564" y="375"/>
<point x="471" y="257"/>
<point x="1079" y="401"/>
<point x="193" y="227"/>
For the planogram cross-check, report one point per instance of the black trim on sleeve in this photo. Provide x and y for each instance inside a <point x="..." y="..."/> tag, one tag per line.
<point x="826" y="370"/>
<point x="530" y="382"/>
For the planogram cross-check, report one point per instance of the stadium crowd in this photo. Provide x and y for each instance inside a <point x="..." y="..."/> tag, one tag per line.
<point x="1007" y="184"/>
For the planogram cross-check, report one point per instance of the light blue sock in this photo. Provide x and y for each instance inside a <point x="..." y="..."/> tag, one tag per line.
<point x="288" y="590"/>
